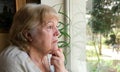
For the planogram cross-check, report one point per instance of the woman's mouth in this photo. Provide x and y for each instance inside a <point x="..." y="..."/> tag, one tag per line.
<point x="55" y="41"/>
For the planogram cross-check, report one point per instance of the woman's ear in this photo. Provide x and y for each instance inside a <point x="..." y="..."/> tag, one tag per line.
<point x="27" y="35"/>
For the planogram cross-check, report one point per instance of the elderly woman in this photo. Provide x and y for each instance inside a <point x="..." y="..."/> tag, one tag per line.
<point x="33" y="38"/>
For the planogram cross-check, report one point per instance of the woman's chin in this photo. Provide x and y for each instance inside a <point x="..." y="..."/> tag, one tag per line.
<point x="54" y="46"/>
<point x="53" y="49"/>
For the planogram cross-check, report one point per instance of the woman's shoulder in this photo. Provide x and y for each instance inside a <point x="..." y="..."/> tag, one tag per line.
<point x="13" y="53"/>
<point x="11" y="59"/>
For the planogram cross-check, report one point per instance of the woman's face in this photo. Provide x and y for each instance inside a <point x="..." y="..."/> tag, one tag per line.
<point x="45" y="38"/>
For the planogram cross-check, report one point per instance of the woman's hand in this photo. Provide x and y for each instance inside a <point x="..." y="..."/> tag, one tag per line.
<point x="57" y="60"/>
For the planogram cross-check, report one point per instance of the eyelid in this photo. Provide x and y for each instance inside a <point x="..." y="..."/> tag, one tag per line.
<point x="50" y="27"/>
<point x="51" y="23"/>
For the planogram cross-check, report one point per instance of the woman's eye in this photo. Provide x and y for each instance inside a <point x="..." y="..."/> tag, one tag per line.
<point x="50" y="27"/>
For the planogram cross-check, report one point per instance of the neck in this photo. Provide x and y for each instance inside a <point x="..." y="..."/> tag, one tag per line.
<point x="39" y="59"/>
<point x="36" y="55"/>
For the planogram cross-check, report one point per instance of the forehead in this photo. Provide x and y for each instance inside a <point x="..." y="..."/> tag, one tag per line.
<point x="52" y="20"/>
<point x="40" y="27"/>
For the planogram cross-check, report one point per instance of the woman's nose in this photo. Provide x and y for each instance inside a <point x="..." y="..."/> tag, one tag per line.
<point x="56" y="33"/>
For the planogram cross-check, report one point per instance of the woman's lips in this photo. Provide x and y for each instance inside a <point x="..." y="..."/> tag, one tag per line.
<point x="55" y="41"/>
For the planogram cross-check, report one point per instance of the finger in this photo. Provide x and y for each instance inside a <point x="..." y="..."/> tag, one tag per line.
<point x="60" y="49"/>
<point x="55" y="58"/>
<point x="57" y="53"/>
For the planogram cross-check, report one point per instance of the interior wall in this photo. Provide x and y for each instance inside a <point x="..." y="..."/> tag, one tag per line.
<point x="57" y="4"/>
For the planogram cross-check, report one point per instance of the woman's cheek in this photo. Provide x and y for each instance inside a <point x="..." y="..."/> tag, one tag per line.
<point x="49" y="40"/>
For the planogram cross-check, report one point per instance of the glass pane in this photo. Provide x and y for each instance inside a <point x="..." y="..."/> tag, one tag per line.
<point x="103" y="35"/>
